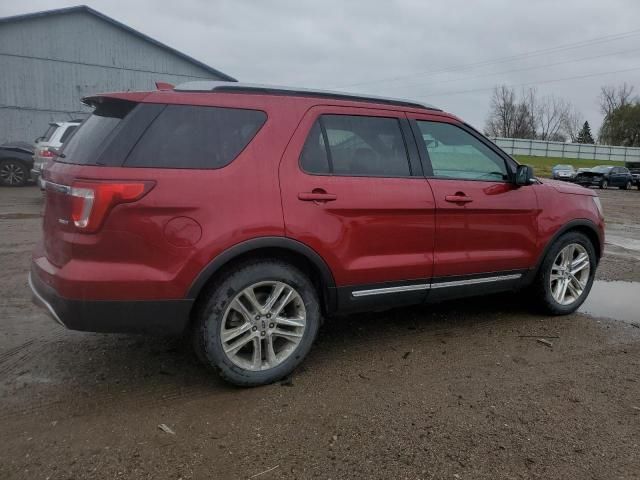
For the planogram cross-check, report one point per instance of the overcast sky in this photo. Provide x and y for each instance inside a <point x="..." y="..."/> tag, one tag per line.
<point x="399" y="48"/>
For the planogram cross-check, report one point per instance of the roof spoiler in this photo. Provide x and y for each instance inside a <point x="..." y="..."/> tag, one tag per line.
<point x="164" y="86"/>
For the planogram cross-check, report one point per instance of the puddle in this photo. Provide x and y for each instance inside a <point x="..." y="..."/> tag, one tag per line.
<point x="616" y="300"/>
<point x="624" y="242"/>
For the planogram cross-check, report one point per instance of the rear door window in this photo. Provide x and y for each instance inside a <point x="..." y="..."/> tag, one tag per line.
<point x="350" y="145"/>
<point x="185" y="136"/>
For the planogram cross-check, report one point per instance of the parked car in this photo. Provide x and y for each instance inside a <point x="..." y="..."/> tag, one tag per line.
<point x="563" y="172"/>
<point x="634" y="168"/>
<point x="244" y="214"/>
<point x="46" y="146"/>
<point x="16" y="159"/>
<point x="605" y="176"/>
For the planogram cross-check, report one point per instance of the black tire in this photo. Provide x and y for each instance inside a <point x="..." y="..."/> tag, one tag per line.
<point x="13" y="173"/>
<point x="627" y="186"/>
<point x="542" y="286"/>
<point x="209" y="317"/>
<point x="604" y="184"/>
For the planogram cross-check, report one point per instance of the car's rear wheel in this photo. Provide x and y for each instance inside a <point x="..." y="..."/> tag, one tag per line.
<point x="13" y="173"/>
<point x="627" y="186"/>
<point x="566" y="274"/>
<point x="604" y="184"/>
<point x="258" y="323"/>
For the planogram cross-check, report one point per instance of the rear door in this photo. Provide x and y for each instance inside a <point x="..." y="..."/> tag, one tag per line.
<point x="485" y="224"/>
<point x="353" y="190"/>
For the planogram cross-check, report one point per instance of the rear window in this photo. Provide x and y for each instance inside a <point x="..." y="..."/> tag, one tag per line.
<point x="85" y="146"/>
<point x="185" y="136"/>
<point x="47" y="135"/>
<point x="67" y="133"/>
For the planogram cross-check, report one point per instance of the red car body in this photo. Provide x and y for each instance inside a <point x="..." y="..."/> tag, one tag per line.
<point x="155" y="249"/>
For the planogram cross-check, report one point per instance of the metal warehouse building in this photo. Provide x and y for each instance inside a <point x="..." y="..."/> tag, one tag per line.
<point x="50" y="60"/>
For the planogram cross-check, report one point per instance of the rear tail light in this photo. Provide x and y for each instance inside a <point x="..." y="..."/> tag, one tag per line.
<point x="92" y="201"/>
<point x="46" y="153"/>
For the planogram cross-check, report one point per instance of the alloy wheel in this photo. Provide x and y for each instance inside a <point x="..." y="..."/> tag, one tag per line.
<point x="12" y="173"/>
<point x="570" y="274"/>
<point x="263" y="325"/>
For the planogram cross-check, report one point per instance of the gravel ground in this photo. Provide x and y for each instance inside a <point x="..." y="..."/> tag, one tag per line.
<point x="461" y="390"/>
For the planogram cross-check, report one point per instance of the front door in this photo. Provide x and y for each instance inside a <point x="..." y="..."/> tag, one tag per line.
<point x="354" y="192"/>
<point x="485" y="224"/>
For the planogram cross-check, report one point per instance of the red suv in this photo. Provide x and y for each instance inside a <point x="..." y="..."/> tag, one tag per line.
<point x="242" y="214"/>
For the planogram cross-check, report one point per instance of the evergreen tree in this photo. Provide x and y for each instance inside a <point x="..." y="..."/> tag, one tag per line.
<point x="584" y="135"/>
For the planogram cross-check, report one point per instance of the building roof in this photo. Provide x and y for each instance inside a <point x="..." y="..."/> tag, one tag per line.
<point x="102" y="16"/>
<point x="255" y="88"/>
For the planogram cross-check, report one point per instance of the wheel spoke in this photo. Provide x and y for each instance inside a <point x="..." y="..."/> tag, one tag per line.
<point x="256" y="359"/>
<point x="272" y="360"/>
<point x="250" y="295"/>
<point x="580" y="263"/>
<point x="234" y="347"/>
<point x="233" y="333"/>
<point x="568" y="255"/>
<point x="574" y="287"/>
<point x="289" y="335"/>
<point x="239" y="307"/>
<point x="278" y="288"/>
<point x="286" y="299"/>
<point x="290" y="322"/>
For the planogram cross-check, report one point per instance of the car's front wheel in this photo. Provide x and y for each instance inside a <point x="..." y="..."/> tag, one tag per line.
<point x="13" y="173"/>
<point x="566" y="274"/>
<point x="604" y="184"/>
<point x="258" y="323"/>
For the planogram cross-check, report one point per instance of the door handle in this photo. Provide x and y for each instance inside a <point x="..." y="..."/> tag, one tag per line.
<point x="459" y="197"/>
<point x="317" y="195"/>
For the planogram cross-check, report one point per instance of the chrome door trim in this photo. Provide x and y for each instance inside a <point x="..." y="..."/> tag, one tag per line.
<point x="426" y="286"/>
<point x="385" y="290"/>
<point x="477" y="281"/>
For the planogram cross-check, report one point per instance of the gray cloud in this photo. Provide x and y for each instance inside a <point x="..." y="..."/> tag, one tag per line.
<point x="337" y="43"/>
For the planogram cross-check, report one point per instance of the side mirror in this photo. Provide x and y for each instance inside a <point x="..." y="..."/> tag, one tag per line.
<point x="524" y="175"/>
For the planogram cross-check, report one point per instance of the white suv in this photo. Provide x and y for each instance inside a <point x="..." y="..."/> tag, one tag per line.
<point x="46" y="145"/>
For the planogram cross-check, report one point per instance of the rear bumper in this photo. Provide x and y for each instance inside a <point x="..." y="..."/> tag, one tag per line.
<point x="164" y="317"/>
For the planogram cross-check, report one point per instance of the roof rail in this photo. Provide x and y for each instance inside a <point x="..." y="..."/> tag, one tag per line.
<point x="258" y="89"/>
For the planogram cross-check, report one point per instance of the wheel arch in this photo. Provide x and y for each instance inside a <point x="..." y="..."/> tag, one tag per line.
<point x="293" y="251"/>
<point x="585" y="226"/>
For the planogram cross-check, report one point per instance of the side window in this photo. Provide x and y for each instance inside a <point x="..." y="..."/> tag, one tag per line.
<point x="356" y="146"/>
<point x="314" y="157"/>
<point x="67" y="133"/>
<point x="454" y="153"/>
<point x="185" y="136"/>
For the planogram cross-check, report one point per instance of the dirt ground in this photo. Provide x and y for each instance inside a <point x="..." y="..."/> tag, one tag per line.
<point x="461" y="390"/>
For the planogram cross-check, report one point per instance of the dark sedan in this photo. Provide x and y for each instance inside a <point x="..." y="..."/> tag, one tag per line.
<point x="16" y="161"/>
<point x="605" y="176"/>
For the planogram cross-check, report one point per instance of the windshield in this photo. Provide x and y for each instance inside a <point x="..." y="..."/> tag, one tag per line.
<point x="601" y="169"/>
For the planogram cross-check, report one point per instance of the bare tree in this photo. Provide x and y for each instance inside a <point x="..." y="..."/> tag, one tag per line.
<point x="546" y="118"/>
<point x="551" y="114"/>
<point x="509" y="117"/>
<point x="572" y="124"/>
<point x="612" y="98"/>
